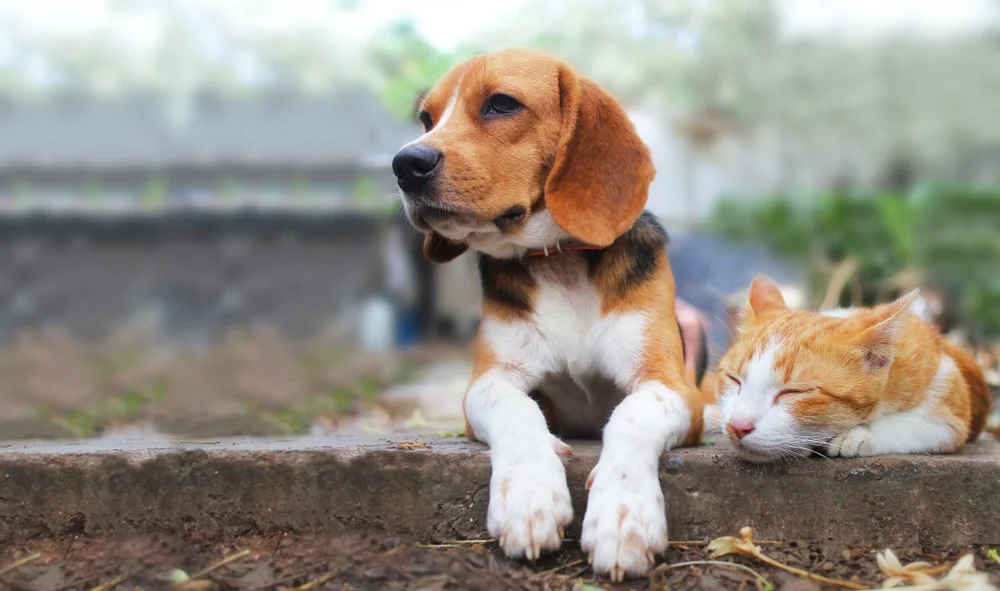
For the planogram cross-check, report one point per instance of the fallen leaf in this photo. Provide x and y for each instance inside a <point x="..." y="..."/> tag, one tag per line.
<point x="897" y="574"/>
<point x="964" y="577"/>
<point x="729" y="545"/>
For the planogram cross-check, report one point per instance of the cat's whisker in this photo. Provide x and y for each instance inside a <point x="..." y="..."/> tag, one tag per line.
<point x="807" y="452"/>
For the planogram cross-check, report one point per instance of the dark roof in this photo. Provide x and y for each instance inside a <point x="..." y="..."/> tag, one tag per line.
<point x="351" y="129"/>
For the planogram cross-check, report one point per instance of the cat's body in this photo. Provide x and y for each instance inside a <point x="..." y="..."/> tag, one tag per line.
<point x="855" y="382"/>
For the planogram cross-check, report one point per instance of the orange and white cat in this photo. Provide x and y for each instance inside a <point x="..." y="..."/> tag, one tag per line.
<point x="845" y="382"/>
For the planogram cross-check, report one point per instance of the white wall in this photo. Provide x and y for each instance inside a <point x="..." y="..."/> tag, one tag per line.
<point x="687" y="185"/>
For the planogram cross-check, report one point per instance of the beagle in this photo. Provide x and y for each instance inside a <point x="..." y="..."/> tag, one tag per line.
<point x="541" y="172"/>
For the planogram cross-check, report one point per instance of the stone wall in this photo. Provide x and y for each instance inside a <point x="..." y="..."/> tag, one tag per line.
<point x="185" y="276"/>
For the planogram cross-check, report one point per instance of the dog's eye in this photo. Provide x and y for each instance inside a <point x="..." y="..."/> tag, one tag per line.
<point x="509" y="219"/>
<point x="500" y="105"/>
<point x="514" y="214"/>
<point x="425" y="118"/>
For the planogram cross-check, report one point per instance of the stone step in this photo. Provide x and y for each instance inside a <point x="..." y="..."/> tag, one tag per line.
<point x="435" y="488"/>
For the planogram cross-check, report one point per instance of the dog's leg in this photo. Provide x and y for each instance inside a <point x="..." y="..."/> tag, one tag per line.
<point x="625" y="525"/>
<point x="529" y="500"/>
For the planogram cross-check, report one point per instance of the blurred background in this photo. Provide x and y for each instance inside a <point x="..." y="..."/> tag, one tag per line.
<point x="200" y="233"/>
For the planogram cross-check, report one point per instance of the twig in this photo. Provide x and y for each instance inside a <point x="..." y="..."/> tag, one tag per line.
<point x="744" y="545"/>
<point x="767" y="584"/>
<point x="841" y="276"/>
<point x="936" y="570"/>
<point x="19" y="563"/>
<point x="453" y="543"/>
<point x="809" y="575"/>
<point x="317" y="582"/>
<point x="561" y="567"/>
<point x="704" y="543"/>
<point x="574" y="574"/>
<point x="113" y="583"/>
<point x="232" y="558"/>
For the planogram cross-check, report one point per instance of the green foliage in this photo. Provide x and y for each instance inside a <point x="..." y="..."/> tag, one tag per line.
<point x="787" y="233"/>
<point x="301" y="187"/>
<point x="155" y="193"/>
<point x="92" y="191"/>
<point x="19" y="192"/>
<point x="407" y="65"/>
<point x="365" y="190"/>
<point x="229" y="189"/>
<point x="950" y="232"/>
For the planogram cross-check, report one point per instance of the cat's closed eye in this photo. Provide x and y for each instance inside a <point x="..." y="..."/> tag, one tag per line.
<point x="791" y="392"/>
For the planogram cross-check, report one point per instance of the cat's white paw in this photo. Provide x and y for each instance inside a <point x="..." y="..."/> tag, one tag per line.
<point x="853" y="443"/>
<point x="712" y="419"/>
<point x="625" y="525"/>
<point x="529" y="501"/>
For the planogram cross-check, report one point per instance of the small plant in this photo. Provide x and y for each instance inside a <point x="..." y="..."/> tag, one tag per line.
<point x="364" y="190"/>
<point x="301" y="188"/>
<point x="155" y="193"/>
<point x="92" y="191"/>
<point x="229" y="190"/>
<point x="993" y="555"/>
<point x="946" y="233"/>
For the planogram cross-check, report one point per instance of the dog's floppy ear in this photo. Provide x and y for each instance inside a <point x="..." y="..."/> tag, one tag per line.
<point x="439" y="249"/>
<point x="599" y="182"/>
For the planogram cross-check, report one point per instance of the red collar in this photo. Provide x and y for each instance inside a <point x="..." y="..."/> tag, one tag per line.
<point x="558" y="248"/>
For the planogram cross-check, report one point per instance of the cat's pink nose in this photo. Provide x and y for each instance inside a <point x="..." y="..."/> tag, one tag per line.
<point x="741" y="428"/>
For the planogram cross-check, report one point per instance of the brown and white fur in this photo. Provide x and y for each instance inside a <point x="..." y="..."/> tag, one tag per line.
<point x="847" y="382"/>
<point x="541" y="171"/>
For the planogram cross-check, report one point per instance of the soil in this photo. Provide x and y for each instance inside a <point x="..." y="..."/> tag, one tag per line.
<point x="254" y="382"/>
<point x="391" y="563"/>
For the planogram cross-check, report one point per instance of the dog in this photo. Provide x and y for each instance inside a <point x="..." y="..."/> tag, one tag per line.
<point x="540" y="172"/>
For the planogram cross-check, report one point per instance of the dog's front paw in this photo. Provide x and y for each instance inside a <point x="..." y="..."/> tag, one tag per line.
<point x="625" y="525"/>
<point x="853" y="443"/>
<point x="529" y="502"/>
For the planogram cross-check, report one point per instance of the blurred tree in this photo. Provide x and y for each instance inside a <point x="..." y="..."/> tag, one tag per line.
<point x="844" y="106"/>
<point x="946" y="234"/>
<point x="404" y="64"/>
<point x="190" y="48"/>
<point x="849" y="108"/>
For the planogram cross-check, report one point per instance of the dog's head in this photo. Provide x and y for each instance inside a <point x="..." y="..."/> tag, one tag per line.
<point x="519" y="152"/>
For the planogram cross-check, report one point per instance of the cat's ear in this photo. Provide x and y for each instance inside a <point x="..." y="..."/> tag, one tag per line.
<point x="764" y="297"/>
<point x="882" y="327"/>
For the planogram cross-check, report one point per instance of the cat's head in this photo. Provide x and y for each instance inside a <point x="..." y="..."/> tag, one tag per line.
<point x="793" y="379"/>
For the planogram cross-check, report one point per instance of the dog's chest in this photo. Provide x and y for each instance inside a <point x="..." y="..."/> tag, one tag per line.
<point x="583" y="357"/>
<point x="567" y="310"/>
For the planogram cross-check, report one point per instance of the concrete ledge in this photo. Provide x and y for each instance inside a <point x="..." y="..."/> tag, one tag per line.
<point x="436" y="489"/>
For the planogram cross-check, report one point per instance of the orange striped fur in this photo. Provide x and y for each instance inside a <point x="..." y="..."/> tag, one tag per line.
<point x="845" y="382"/>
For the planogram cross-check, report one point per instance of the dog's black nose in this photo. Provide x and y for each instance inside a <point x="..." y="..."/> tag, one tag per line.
<point x="414" y="166"/>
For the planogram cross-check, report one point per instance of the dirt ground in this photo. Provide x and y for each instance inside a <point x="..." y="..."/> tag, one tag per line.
<point x="254" y="382"/>
<point x="392" y="563"/>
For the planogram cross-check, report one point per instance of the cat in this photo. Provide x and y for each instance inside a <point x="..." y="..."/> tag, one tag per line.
<point x="845" y="382"/>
